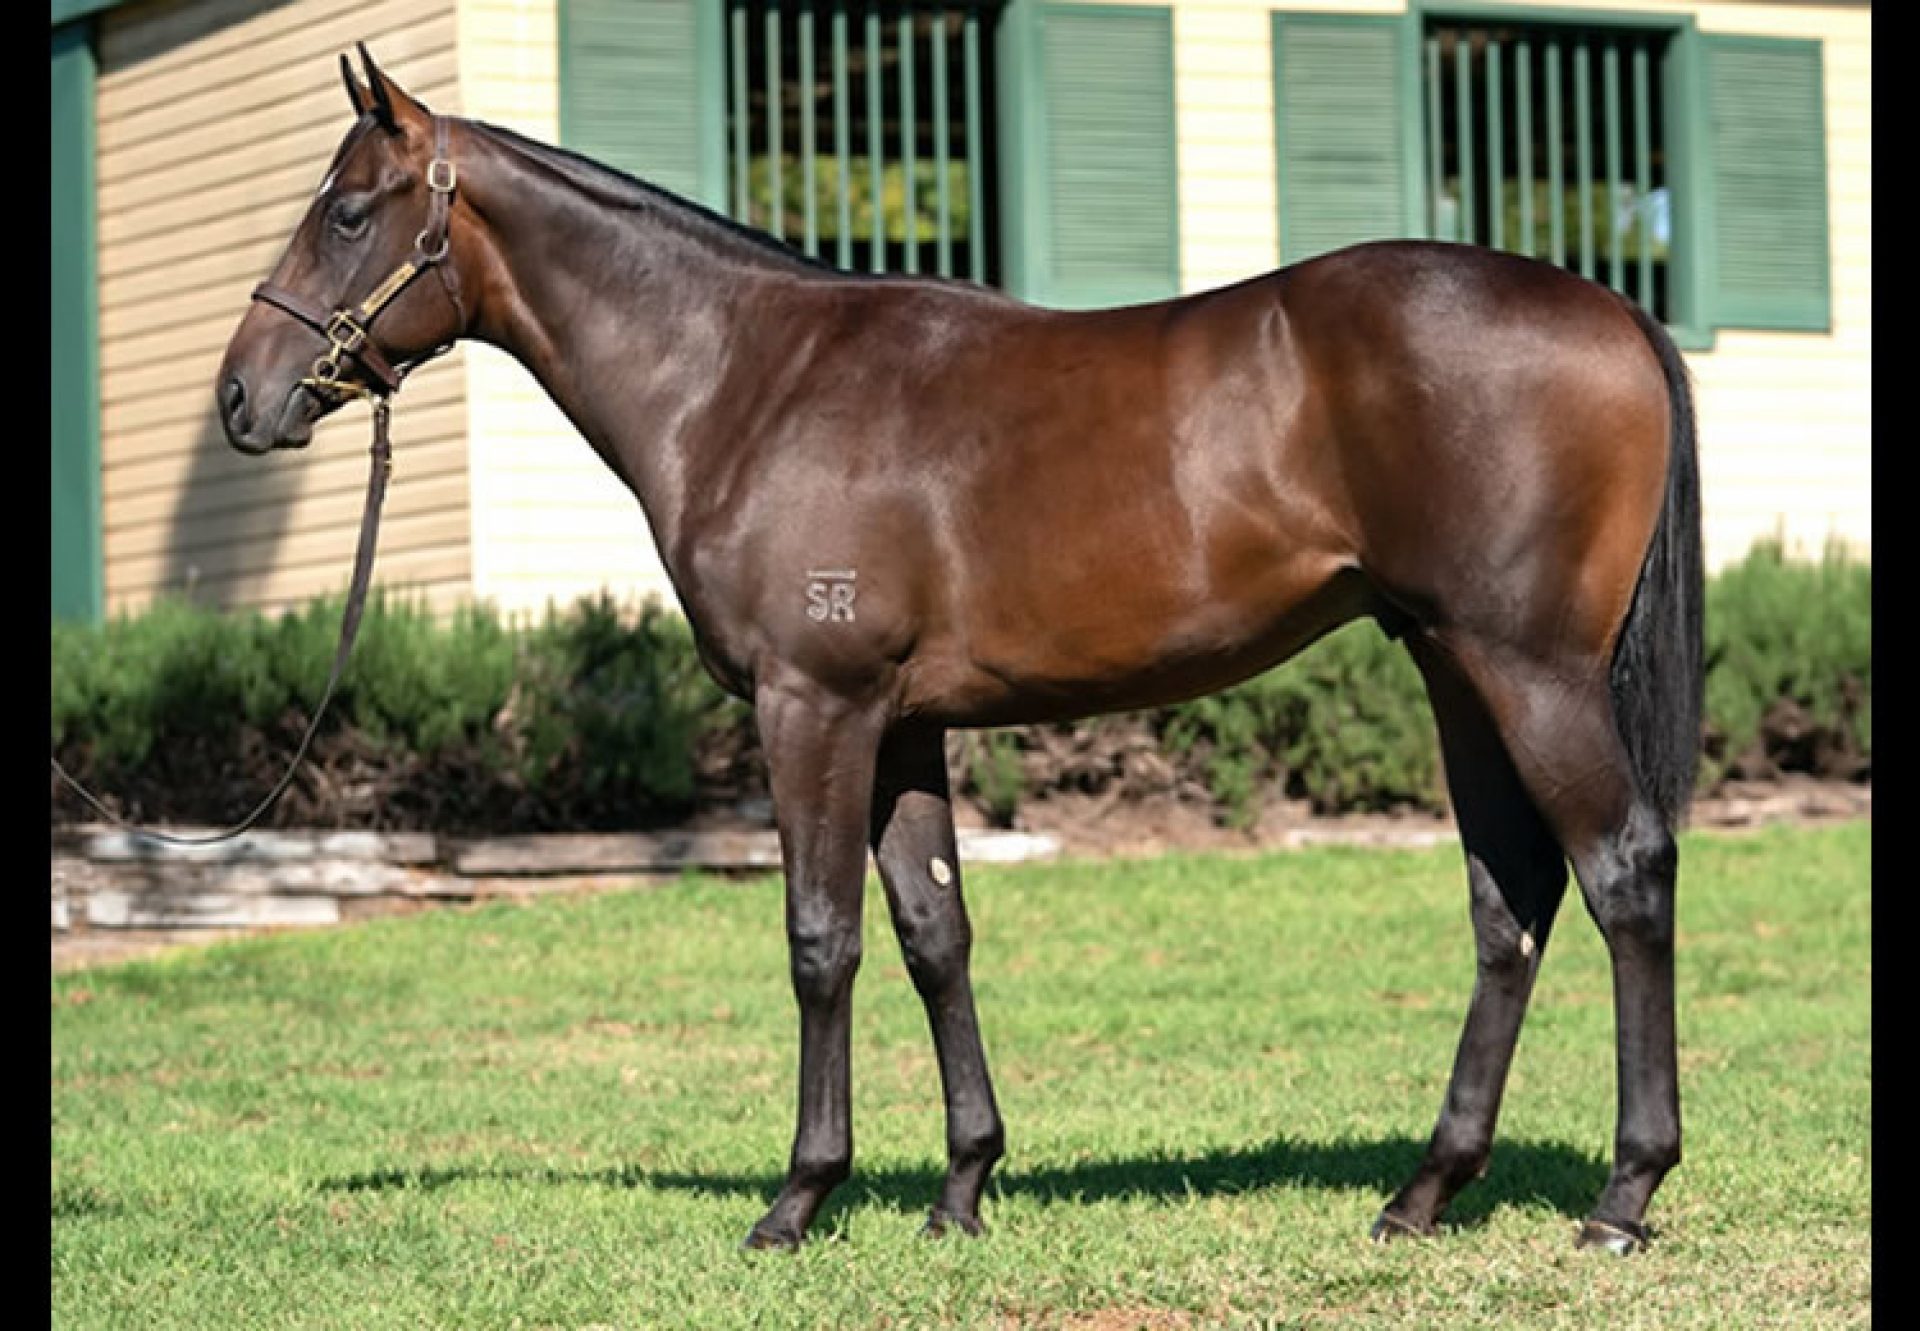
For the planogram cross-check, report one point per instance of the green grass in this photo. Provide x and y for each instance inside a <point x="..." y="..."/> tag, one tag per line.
<point x="1213" y="1070"/>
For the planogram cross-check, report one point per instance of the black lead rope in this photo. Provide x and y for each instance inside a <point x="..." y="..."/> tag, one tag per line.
<point x="349" y="628"/>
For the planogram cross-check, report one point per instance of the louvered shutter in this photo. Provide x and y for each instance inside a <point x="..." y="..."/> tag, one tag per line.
<point x="1768" y="158"/>
<point x="1344" y="133"/>
<point x="1101" y="225"/>
<point x="640" y="90"/>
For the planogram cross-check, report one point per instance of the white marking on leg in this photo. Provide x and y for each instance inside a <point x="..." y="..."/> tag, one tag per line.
<point x="1526" y="943"/>
<point x="942" y="871"/>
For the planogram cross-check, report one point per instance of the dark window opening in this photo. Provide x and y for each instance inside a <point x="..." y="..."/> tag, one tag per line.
<point x="864" y="133"/>
<point x="1551" y="141"/>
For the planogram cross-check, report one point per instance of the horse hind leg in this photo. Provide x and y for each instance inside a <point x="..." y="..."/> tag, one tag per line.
<point x="1556" y="719"/>
<point x="1516" y="876"/>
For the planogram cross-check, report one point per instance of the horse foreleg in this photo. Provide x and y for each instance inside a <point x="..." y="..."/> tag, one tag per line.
<point x="913" y="840"/>
<point x="820" y="758"/>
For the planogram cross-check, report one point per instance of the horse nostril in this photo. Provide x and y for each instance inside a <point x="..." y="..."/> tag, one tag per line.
<point x="233" y="399"/>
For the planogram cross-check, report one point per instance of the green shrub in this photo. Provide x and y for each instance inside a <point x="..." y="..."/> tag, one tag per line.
<point x="1786" y="636"/>
<point x="175" y="670"/>
<point x="1344" y="725"/>
<point x="600" y="717"/>
<point x="618" y="708"/>
<point x="994" y="773"/>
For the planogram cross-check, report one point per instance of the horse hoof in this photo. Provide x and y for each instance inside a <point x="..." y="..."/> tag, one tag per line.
<point x="1390" y="1227"/>
<point x="940" y="1223"/>
<point x="760" y="1240"/>
<point x="1622" y="1238"/>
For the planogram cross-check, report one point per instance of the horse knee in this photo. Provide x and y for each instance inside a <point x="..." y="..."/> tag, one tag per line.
<point x="823" y="960"/>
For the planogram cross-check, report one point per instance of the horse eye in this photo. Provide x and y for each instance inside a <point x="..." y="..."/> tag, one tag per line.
<point x="348" y="218"/>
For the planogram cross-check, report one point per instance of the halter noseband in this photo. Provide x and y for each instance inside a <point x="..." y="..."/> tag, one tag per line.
<point x="349" y="332"/>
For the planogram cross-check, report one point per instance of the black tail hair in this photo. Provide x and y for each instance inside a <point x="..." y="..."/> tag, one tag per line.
<point x="1658" y="675"/>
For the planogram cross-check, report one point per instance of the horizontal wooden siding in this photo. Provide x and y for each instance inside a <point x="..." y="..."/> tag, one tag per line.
<point x="216" y="121"/>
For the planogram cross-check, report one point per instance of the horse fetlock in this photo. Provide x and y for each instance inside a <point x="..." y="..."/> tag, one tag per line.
<point x="978" y="1148"/>
<point x="1647" y="1156"/>
<point x="817" y="1175"/>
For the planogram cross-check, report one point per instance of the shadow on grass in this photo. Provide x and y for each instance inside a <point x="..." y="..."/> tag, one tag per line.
<point x="1523" y="1173"/>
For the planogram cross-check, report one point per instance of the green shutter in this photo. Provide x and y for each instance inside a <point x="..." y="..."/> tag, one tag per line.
<point x="641" y="89"/>
<point x="1346" y="132"/>
<point x="1098" y="222"/>
<point x="72" y="333"/>
<point x="1767" y="146"/>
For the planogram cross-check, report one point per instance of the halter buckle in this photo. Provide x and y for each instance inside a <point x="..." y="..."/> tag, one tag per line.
<point x="438" y="168"/>
<point x="345" y="333"/>
<point x="325" y="372"/>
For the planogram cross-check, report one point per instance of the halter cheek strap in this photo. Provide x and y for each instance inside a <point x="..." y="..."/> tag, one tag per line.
<point x="349" y="332"/>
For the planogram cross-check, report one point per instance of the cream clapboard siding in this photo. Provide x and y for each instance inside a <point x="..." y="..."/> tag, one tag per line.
<point x="550" y="521"/>
<point x="1785" y="419"/>
<point x="216" y="121"/>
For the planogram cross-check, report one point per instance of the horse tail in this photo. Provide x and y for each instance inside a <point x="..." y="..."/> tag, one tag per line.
<point x="1658" y="672"/>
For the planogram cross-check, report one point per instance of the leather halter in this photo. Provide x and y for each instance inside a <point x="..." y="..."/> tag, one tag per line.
<point x="349" y="332"/>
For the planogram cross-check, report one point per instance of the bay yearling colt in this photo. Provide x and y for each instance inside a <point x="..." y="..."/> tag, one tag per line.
<point x="891" y="506"/>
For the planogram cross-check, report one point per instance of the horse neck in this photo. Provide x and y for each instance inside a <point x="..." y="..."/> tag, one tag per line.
<point x="623" y="302"/>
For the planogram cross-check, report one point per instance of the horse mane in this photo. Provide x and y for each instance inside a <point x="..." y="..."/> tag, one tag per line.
<point x="616" y="189"/>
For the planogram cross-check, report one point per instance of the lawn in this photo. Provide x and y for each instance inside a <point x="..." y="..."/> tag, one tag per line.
<point x="1213" y="1071"/>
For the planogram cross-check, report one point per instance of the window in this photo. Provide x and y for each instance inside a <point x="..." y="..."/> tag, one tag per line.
<point x="1685" y="169"/>
<point x="866" y="137"/>
<point x="1551" y="142"/>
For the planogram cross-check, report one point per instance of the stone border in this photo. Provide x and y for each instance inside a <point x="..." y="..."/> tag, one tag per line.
<point x="106" y="881"/>
<point x="105" y="878"/>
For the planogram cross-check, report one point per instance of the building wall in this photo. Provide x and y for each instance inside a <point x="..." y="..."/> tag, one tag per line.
<point x="216" y="119"/>
<point x="1786" y="419"/>
<point x="550" y="521"/>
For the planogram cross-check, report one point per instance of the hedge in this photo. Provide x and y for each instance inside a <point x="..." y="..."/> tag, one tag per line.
<point x="597" y="717"/>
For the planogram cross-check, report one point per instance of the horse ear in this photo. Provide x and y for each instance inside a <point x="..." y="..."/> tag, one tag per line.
<point x="393" y="106"/>
<point x="356" y="94"/>
<point x="377" y="86"/>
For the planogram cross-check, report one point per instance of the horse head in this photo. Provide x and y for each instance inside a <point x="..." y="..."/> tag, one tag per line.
<point x="382" y="217"/>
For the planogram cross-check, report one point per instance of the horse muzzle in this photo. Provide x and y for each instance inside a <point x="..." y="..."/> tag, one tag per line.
<point x="254" y="427"/>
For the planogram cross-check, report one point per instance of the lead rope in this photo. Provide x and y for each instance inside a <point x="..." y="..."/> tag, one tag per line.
<point x="382" y="452"/>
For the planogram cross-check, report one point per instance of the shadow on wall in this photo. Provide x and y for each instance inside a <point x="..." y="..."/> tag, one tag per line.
<point x="230" y="520"/>
<point x="196" y="94"/>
